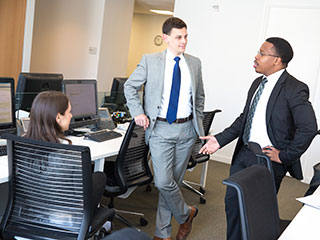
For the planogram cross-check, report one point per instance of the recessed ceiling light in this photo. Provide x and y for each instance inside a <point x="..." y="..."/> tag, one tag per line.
<point x="164" y="12"/>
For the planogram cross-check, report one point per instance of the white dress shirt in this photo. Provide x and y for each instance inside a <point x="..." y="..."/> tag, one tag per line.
<point x="258" y="131"/>
<point x="185" y="104"/>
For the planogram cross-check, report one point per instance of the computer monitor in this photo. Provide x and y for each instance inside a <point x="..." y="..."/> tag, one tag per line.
<point x="30" y="84"/>
<point x="83" y="99"/>
<point x="7" y="106"/>
<point x="117" y="93"/>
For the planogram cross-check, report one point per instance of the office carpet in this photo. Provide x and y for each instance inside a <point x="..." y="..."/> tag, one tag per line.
<point x="210" y="224"/>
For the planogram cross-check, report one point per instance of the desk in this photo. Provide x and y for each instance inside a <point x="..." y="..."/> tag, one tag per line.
<point x="305" y="224"/>
<point x="98" y="152"/>
<point x="4" y="171"/>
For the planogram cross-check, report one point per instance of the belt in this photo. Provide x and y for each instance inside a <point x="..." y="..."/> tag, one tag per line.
<point x="179" y="120"/>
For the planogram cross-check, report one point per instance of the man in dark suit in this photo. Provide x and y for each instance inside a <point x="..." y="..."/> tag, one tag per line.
<point x="277" y="115"/>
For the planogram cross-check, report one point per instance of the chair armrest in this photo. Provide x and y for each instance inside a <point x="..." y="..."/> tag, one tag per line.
<point x="99" y="218"/>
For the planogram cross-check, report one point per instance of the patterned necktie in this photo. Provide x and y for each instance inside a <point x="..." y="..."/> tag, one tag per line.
<point x="174" y="95"/>
<point x="247" y="128"/>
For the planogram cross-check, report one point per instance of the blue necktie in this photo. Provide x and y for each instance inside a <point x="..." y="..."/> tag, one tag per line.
<point x="247" y="128"/>
<point x="174" y="95"/>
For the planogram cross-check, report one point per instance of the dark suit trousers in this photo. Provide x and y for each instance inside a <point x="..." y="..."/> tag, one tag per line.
<point x="244" y="159"/>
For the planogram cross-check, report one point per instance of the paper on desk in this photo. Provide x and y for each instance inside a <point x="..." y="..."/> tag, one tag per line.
<point x="123" y="126"/>
<point x="311" y="200"/>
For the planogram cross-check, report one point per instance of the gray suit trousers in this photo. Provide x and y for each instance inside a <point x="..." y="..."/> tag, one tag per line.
<point x="170" y="147"/>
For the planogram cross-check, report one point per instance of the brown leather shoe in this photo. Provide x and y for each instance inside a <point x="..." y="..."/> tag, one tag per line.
<point x="157" y="238"/>
<point x="186" y="227"/>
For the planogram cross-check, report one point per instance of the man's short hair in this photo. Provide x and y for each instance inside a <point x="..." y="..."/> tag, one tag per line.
<point x="282" y="48"/>
<point x="172" y="22"/>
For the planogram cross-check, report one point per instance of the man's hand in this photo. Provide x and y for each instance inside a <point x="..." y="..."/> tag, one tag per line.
<point x="211" y="146"/>
<point x="142" y="120"/>
<point x="272" y="153"/>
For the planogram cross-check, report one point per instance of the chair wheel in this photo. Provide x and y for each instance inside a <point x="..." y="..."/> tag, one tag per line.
<point x="143" y="222"/>
<point x="202" y="190"/>
<point x="202" y="200"/>
<point x="148" y="188"/>
<point x="102" y="233"/>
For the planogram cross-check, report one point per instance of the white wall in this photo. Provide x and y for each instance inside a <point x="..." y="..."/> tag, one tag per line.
<point x="226" y="35"/>
<point x="226" y="42"/>
<point x="144" y="28"/>
<point x="28" y="32"/>
<point x="115" y="41"/>
<point x="63" y="32"/>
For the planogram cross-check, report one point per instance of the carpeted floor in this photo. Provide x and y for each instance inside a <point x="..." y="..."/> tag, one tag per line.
<point x="210" y="224"/>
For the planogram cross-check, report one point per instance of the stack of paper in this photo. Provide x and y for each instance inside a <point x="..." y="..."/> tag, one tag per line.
<point x="311" y="200"/>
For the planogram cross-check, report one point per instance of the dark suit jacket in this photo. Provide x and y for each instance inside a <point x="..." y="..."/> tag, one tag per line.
<point x="290" y="119"/>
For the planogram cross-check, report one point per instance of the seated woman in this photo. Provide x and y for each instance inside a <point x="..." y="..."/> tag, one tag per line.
<point x="50" y="116"/>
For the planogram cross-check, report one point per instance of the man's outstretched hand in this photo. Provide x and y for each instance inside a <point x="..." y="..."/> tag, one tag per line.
<point x="211" y="146"/>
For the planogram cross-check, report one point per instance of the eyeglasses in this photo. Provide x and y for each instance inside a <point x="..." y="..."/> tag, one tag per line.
<point x="266" y="54"/>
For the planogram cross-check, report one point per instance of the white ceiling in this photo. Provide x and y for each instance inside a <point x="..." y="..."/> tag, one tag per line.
<point x="143" y="6"/>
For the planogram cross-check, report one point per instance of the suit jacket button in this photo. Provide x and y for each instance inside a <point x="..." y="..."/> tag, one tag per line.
<point x="158" y="107"/>
<point x="153" y="120"/>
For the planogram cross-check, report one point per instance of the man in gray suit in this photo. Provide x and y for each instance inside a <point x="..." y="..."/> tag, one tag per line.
<point x="172" y="117"/>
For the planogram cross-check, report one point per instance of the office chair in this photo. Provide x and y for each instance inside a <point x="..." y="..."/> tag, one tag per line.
<point x="50" y="192"/>
<point x="315" y="181"/>
<point x="262" y="159"/>
<point x="197" y="158"/>
<point x="129" y="170"/>
<point x="258" y="204"/>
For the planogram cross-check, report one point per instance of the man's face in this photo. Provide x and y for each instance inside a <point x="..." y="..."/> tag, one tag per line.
<point x="267" y="60"/>
<point x="176" y="40"/>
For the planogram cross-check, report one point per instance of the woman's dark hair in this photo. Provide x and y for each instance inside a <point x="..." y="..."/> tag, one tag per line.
<point x="282" y="48"/>
<point x="43" y="125"/>
<point x="172" y="22"/>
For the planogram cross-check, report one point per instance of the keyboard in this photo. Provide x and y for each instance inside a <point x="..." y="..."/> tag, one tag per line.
<point x="3" y="150"/>
<point x="102" y="135"/>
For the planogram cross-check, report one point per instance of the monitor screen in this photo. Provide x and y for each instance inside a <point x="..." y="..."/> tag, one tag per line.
<point x="117" y="91"/>
<point x="83" y="99"/>
<point x="30" y="84"/>
<point x="7" y="106"/>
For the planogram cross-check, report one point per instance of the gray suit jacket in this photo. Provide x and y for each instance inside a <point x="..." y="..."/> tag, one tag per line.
<point x="150" y="74"/>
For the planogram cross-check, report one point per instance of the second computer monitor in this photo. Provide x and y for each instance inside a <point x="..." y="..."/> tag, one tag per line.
<point x="83" y="99"/>
<point x="30" y="84"/>
<point x="117" y="92"/>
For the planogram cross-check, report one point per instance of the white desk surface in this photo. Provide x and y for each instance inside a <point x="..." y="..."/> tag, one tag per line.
<point x="4" y="173"/>
<point x="305" y="224"/>
<point x="98" y="152"/>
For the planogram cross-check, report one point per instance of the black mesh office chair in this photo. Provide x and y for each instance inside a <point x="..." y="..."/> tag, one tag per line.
<point x="315" y="181"/>
<point x="50" y="192"/>
<point x="262" y="159"/>
<point x="258" y="204"/>
<point x="197" y="158"/>
<point x="129" y="170"/>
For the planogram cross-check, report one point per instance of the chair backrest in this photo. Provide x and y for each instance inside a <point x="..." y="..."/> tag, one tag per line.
<point x="195" y="156"/>
<point x="208" y="119"/>
<point x="262" y="159"/>
<point x="50" y="189"/>
<point x="132" y="168"/>
<point x="257" y="203"/>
